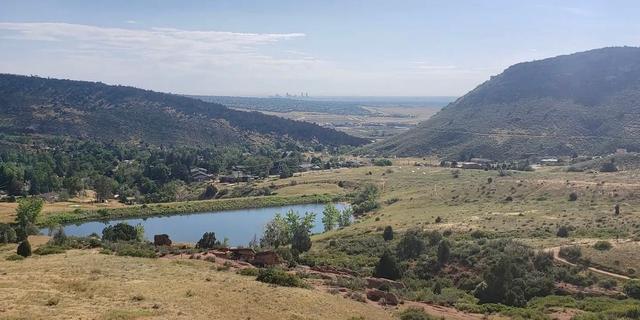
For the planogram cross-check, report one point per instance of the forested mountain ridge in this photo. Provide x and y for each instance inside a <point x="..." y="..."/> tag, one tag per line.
<point x="93" y="110"/>
<point x="587" y="102"/>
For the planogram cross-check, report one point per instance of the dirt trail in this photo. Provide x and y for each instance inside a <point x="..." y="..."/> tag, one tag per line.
<point x="557" y="257"/>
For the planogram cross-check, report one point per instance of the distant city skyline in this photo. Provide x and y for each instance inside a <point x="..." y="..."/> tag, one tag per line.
<point x="326" y="48"/>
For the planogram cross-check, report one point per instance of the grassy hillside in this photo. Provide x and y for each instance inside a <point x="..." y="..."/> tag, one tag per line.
<point x="585" y="102"/>
<point x="85" y="284"/>
<point x="91" y="110"/>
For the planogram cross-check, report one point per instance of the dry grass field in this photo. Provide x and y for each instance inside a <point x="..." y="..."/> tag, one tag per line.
<point x="622" y="258"/>
<point x="83" y="284"/>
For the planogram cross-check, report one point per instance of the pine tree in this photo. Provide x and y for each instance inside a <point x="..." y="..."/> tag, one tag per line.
<point x="387" y="267"/>
<point x="387" y="235"/>
<point x="24" y="248"/>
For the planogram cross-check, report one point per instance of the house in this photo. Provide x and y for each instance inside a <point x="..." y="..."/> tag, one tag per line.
<point x="244" y="254"/>
<point x="305" y="166"/>
<point x="621" y="151"/>
<point x="200" y="175"/>
<point x="549" y="161"/>
<point x="482" y="161"/>
<point x="470" y="165"/>
<point x="266" y="258"/>
<point x="236" y="176"/>
<point x="198" y="170"/>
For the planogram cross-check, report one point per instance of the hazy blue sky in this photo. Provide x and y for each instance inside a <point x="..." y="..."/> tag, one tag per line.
<point x="323" y="47"/>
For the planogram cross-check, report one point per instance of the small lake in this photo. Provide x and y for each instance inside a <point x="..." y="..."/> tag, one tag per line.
<point x="239" y="226"/>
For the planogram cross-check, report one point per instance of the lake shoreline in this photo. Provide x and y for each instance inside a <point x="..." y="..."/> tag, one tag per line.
<point x="238" y="226"/>
<point x="181" y="208"/>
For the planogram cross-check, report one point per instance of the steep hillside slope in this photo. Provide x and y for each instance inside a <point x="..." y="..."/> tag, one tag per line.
<point x="587" y="102"/>
<point x="32" y="105"/>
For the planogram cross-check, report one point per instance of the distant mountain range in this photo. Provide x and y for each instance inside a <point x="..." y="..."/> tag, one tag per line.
<point x="585" y="103"/>
<point x="91" y="110"/>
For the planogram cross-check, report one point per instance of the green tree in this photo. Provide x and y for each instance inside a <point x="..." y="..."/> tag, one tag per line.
<point x="443" y="251"/>
<point x="387" y="267"/>
<point x="120" y="232"/>
<point x="7" y="234"/>
<point x="209" y="192"/>
<point x="330" y="217"/>
<point x="387" y="234"/>
<point x="24" y="248"/>
<point x="276" y="233"/>
<point x="208" y="241"/>
<point x="104" y="187"/>
<point x="301" y="240"/>
<point x="437" y="288"/>
<point x="366" y="199"/>
<point x="632" y="289"/>
<point x="563" y="232"/>
<point x="139" y="232"/>
<point x="345" y="217"/>
<point x="27" y="213"/>
<point x="411" y="244"/>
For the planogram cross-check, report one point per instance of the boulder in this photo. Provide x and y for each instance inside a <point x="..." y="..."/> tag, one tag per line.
<point x="161" y="240"/>
<point x="377" y="295"/>
<point x="377" y="283"/>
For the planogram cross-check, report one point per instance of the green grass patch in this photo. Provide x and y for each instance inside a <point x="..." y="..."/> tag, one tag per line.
<point x="186" y="207"/>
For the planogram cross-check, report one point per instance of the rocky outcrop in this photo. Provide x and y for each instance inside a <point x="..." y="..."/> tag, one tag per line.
<point x="382" y="297"/>
<point x="161" y="240"/>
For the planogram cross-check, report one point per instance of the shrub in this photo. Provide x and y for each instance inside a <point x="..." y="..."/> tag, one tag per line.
<point x="382" y="162"/>
<point x="15" y="257"/>
<point x="209" y="192"/>
<point x="387" y="234"/>
<point x="365" y="199"/>
<point x="7" y="234"/>
<point x="411" y="245"/>
<point x="444" y="251"/>
<point x="59" y="237"/>
<point x="279" y="277"/>
<point x="136" y="251"/>
<point x="602" y="245"/>
<point x="387" y="267"/>
<point x="414" y="314"/>
<point x="301" y="241"/>
<point x="120" y="232"/>
<point x="632" y="289"/>
<point x="573" y="196"/>
<point x="608" y="167"/>
<point x="208" y="241"/>
<point x="607" y="283"/>
<point x="49" y="249"/>
<point x="24" y="248"/>
<point x="563" y="232"/>
<point x="571" y="253"/>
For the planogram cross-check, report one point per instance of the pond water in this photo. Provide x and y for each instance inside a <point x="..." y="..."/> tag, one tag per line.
<point x="239" y="226"/>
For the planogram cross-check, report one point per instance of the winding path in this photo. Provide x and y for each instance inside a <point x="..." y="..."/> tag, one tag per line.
<point x="557" y="257"/>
